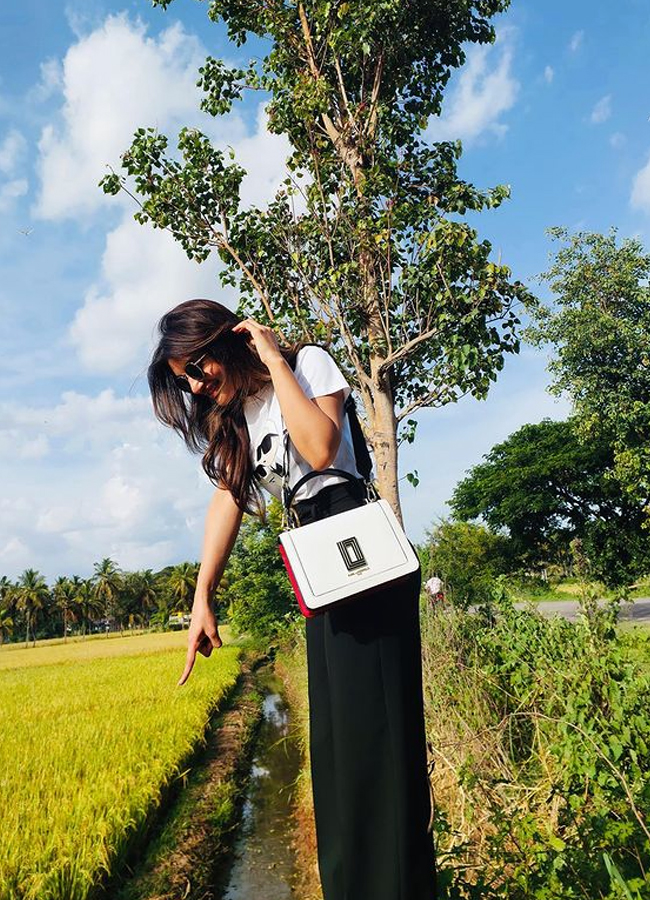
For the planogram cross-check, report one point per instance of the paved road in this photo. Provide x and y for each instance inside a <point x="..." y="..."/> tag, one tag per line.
<point x="638" y="611"/>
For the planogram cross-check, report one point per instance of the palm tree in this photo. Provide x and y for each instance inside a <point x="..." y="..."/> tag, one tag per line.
<point x="109" y="584"/>
<point x="86" y="601"/>
<point x="8" y="602"/>
<point x="31" y="593"/>
<point x="6" y="624"/>
<point x="5" y="588"/>
<point x="64" y="600"/>
<point x="144" y="588"/>
<point x="181" y="583"/>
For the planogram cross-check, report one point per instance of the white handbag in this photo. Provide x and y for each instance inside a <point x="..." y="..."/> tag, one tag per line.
<point x="349" y="554"/>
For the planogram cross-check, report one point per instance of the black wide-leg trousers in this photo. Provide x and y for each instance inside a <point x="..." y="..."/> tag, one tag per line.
<point x="367" y="740"/>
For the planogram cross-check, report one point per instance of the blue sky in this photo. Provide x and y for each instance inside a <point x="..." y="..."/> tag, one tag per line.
<point x="559" y="109"/>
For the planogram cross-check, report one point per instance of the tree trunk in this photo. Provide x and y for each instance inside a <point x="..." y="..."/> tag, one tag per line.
<point x="383" y="436"/>
<point x="383" y="424"/>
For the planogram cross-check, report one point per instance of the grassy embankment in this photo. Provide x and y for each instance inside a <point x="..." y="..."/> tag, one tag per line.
<point x="291" y="666"/>
<point x="533" y="756"/>
<point x="93" y="736"/>
<point x="571" y="588"/>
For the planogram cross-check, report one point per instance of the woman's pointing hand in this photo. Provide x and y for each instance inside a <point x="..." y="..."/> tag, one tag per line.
<point x="203" y="636"/>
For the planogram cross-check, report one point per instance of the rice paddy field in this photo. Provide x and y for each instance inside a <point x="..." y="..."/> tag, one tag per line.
<point x="91" y="734"/>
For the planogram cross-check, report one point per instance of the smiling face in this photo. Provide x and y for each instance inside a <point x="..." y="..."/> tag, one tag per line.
<point x="216" y="383"/>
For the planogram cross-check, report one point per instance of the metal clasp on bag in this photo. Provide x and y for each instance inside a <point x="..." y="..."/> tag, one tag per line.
<point x="290" y="518"/>
<point x="372" y="493"/>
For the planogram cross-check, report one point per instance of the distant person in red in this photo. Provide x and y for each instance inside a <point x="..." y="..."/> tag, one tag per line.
<point x="433" y="588"/>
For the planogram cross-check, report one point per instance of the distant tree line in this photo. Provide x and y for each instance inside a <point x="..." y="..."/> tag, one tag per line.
<point x="111" y="599"/>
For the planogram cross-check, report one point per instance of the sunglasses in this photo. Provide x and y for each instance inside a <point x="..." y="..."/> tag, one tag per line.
<point x="194" y="371"/>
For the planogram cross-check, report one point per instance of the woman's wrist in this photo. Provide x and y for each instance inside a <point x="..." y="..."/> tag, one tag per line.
<point x="202" y="597"/>
<point x="275" y="362"/>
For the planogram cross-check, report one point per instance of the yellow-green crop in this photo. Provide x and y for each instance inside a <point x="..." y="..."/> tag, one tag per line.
<point x="86" y="747"/>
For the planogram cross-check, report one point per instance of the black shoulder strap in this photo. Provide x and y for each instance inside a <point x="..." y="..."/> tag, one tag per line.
<point x="361" y="452"/>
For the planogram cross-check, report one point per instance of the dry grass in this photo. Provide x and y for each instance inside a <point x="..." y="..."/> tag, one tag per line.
<point x="46" y="653"/>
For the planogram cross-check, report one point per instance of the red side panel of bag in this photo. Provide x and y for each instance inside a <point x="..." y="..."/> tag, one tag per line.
<point x="304" y="609"/>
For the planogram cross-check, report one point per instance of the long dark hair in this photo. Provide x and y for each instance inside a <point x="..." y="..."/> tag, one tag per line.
<point x="218" y="432"/>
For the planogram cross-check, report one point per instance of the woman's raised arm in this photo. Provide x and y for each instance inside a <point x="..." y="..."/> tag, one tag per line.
<point x="314" y="425"/>
<point x="222" y="524"/>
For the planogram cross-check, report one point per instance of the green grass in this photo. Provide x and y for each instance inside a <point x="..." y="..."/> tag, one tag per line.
<point x="570" y="589"/>
<point x="91" y="734"/>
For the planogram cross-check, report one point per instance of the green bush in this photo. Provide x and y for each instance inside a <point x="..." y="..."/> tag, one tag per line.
<point x="255" y="590"/>
<point x="541" y="733"/>
<point x="467" y="558"/>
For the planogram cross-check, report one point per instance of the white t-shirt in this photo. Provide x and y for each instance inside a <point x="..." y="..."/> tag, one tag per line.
<point x="317" y="374"/>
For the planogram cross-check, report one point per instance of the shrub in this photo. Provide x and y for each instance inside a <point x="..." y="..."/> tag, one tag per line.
<point x="540" y="732"/>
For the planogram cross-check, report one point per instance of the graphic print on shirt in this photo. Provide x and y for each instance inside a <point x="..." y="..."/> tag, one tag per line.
<point x="268" y="457"/>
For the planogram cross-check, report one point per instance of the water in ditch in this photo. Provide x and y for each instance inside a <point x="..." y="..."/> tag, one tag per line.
<point x="262" y="865"/>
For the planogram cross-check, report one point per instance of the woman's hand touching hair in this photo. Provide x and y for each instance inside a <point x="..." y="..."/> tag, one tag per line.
<point x="263" y="339"/>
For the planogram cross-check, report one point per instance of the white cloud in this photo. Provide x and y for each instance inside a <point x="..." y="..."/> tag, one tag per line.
<point x="114" y="80"/>
<point x="78" y="418"/>
<point x="12" y="152"/>
<point x="15" y="555"/>
<point x="263" y="156"/>
<point x="36" y="448"/>
<point x="549" y="74"/>
<point x="11" y="191"/>
<point x="640" y="198"/>
<point x="602" y="111"/>
<point x="50" y="82"/>
<point x="576" y="41"/>
<point x="618" y="140"/>
<point x="144" y="273"/>
<point x="12" y="149"/>
<point x="119" y="485"/>
<point x="485" y="90"/>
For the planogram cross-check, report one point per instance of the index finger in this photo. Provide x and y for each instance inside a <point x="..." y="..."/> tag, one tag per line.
<point x="189" y="664"/>
<point x="246" y="323"/>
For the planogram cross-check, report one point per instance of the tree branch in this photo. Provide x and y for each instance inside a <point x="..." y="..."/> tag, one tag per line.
<point x="374" y="98"/>
<point x="426" y="400"/>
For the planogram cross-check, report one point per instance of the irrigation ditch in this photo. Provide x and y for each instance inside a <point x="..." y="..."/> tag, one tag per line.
<point x="228" y="833"/>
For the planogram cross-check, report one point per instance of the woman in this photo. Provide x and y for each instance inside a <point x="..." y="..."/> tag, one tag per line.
<point x="226" y="386"/>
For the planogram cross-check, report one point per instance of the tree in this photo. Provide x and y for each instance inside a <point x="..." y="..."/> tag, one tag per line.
<point x="181" y="583"/>
<point x="140" y="593"/>
<point x="6" y="624"/>
<point x="599" y="327"/>
<point x="544" y="487"/>
<point x="64" y="595"/>
<point x="7" y="606"/>
<point x="32" y="593"/>
<point x="467" y="558"/>
<point x="108" y="586"/>
<point x="87" y="601"/>
<point x="374" y="259"/>
<point x="256" y="589"/>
